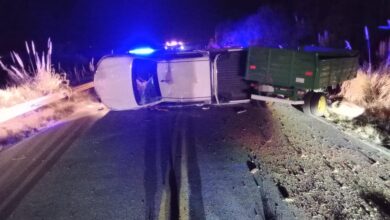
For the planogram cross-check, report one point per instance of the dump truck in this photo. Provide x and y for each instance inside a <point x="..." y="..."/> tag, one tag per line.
<point x="224" y="77"/>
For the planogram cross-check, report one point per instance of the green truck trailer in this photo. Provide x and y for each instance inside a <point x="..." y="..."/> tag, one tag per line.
<point x="299" y="77"/>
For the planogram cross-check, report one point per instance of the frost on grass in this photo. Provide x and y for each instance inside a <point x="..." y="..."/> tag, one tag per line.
<point x="371" y="91"/>
<point x="28" y="82"/>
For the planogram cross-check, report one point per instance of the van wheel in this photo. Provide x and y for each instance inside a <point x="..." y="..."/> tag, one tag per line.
<point x="318" y="104"/>
<point x="307" y="103"/>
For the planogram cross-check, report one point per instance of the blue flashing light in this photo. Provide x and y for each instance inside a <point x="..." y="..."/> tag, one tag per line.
<point x="142" y="51"/>
<point x="384" y="27"/>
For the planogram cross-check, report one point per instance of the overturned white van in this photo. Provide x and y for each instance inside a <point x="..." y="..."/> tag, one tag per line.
<point x="132" y="82"/>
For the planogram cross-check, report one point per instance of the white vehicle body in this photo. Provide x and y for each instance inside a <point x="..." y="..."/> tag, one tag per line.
<point x="114" y="84"/>
<point x="185" y="80"/>
<point x="130" y="82"/>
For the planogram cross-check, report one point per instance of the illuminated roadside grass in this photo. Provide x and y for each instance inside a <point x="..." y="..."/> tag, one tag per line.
<point x="41" y="79"/>
<point x="28" y="82"/>
<point x="370" y="90"/>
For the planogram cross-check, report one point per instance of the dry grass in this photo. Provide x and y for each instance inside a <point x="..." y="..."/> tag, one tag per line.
<point x="27" y="85"/>
<point x="370" y="90"/>
<point x="33" y="81"/>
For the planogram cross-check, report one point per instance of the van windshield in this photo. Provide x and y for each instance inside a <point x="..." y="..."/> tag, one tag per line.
<point x="145" y="81"/>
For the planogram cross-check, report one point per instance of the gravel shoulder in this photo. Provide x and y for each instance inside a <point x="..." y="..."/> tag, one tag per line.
<point x="323" y="172"/>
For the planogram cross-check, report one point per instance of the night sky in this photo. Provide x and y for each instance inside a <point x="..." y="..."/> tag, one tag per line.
<point x="112" y="24"/>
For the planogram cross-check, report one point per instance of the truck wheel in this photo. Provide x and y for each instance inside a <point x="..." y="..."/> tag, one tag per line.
<point x="307" y="103"/>
<point x="318" y="104"/>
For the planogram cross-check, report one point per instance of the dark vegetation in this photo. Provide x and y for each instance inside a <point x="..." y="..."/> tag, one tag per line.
<point x="320" y="23"/>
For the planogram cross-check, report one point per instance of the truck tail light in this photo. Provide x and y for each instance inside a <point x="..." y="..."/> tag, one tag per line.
<point x="309" y="73"/>
<point x="252" y="67"/>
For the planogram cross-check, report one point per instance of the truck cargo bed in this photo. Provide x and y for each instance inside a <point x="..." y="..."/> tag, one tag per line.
<point x="230" y="76"/>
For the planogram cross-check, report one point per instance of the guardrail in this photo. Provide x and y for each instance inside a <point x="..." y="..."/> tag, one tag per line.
<point x="23" y="108"/>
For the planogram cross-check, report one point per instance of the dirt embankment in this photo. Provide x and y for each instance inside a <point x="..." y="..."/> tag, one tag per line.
<point x="318" y="169"/>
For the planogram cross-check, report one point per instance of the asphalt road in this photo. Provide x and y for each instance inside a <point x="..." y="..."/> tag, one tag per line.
<point x="193" y="163"/>
<point x="147" y="164"/>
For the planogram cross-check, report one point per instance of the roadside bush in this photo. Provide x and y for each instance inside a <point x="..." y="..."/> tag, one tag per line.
<point x="370" y="90"/>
